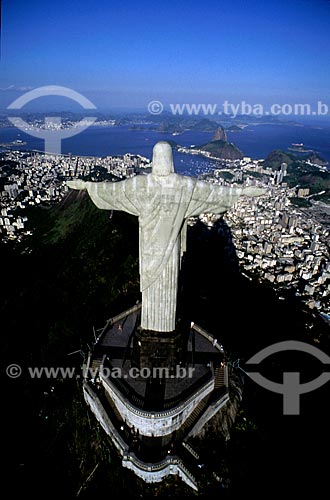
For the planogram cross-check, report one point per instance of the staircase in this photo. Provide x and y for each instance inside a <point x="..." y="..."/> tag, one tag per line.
<point x="113" y="407"/>
<point x="193" y="417"/>
<point x="191" y="450"/>
<point x="219" y="377"/>
<point x="97" y="362"/>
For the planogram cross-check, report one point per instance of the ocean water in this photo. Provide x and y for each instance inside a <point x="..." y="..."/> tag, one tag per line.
<point x="256" y="141"/>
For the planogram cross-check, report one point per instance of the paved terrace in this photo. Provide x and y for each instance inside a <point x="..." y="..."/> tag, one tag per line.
<point x="115" y="349"/>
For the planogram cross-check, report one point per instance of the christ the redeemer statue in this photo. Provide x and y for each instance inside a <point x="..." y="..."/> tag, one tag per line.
<point x="163" y="201"/>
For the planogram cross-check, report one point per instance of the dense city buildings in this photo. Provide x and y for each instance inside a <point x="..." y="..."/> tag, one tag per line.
<point x="276" y="241"/>
<point x="32" y="179"/>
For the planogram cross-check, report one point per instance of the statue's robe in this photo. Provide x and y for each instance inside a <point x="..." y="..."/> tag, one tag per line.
<point x="162" y="203"/>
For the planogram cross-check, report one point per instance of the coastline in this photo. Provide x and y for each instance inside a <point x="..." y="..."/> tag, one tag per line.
<point x="254" y="141"/>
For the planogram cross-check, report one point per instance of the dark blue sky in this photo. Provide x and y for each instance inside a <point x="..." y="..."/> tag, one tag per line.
<point x="126" y="53"/>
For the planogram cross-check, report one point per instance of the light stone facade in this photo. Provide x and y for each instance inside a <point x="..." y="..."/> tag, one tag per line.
<point x="156" y="423"/>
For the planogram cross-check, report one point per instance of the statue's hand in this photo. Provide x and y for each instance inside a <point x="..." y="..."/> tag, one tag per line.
<point x="253" y="191"/>
<point x="77" y="184"/>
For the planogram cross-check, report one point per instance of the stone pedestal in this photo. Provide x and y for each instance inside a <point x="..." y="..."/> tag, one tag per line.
<point x="152" y="391"/>
<point x="157" y="349"/>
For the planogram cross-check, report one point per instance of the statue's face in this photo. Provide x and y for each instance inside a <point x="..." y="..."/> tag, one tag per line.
<point x="162" y="159"/>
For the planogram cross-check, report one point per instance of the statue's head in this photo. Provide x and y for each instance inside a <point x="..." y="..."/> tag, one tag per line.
<point x="162" y="159"/>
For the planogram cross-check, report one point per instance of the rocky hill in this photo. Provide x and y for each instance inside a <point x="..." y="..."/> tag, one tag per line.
<point x="305" y="171"/>
<point x="220" y="135"/>
<point x="222" y="149"/>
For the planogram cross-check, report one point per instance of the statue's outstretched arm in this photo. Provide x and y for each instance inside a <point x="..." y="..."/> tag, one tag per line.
<point x="109" y="195"/>
<point x="252" y="191"/>
<point x="218" y="199"/>
<point x="77" y="184"/>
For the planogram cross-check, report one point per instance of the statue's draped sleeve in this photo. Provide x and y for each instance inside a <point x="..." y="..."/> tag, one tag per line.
<point x="115" y="195"/>
<point x="208" y="197"/>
